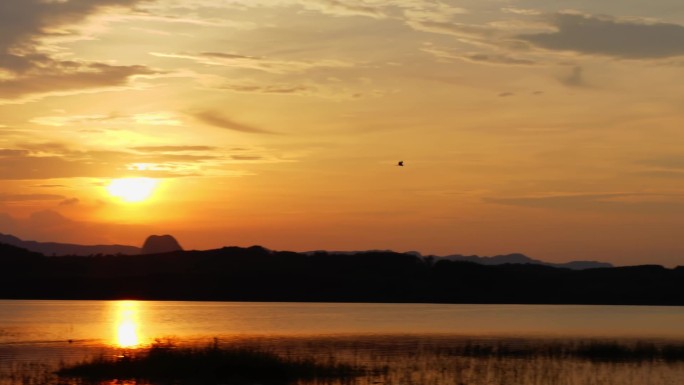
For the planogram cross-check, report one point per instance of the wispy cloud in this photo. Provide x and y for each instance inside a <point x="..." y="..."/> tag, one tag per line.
<point x="621" y="202"/>
<point x="31" y="71"/>
<point x="275" y="66"/>
<point x="344" y="8"/>
<point x="29" y="197"/>
<point x="216" y="119"/>
<point x="82" y="77"/>
<point x="493" y="58"/>
<point x="575" y="78"/>
<point x="173" y="148"/>
<point x="277" y="89"/>
<point x="158" y="118"/>
<point x="70" y="202"/>
<point x="52" y="161"/>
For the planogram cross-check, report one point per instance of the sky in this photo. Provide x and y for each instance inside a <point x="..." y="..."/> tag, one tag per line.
<point x="548" y="128"/>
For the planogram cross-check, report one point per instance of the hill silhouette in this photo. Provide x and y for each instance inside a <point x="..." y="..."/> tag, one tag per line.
<point x="58" y="249"/>
<point x="155" y="244"/>
<point x="166" y="243"/>
<point x="523" y="259"/>
<point x="258" y="274"/>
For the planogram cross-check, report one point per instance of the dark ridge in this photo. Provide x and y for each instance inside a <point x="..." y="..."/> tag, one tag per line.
<point x="259" y="274"/>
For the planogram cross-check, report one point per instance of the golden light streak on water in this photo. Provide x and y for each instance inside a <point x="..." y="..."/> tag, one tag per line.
<point x="127" y="324"/>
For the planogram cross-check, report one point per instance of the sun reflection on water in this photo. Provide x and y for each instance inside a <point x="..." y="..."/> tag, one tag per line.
<point x="127" y="324"/>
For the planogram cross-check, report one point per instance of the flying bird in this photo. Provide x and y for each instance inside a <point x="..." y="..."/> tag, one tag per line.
<point x="401" y="163"/>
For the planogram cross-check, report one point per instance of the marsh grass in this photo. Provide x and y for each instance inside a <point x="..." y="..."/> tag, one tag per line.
<point x="373" y="359"/>
<point x="167" y="361"/>
<point x="592" y="350"/>
<point x="25" y="373"/>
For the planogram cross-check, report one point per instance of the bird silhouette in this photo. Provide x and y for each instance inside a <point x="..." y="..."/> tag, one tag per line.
<point x="401" y="163"/>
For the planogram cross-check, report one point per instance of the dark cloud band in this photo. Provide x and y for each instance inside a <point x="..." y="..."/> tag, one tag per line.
<point x="610" y="37"/>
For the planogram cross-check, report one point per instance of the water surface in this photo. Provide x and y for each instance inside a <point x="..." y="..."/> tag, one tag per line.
<point x="413" y="340"/>
<point x="139" y="322"/>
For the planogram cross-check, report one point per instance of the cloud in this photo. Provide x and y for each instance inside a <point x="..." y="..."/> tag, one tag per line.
<point x="344" y="8"/>
<point x="28" y="70"/>
<point x="641" y="203"/>
<point x="665" y="174"/>
<point x="246" y="157"/>
<point x="492" y="58"/>
<point x="35" y="161"/>
<point x="521" y="11"/>
<point x="452" y="28"/>
<point x="29" y="197"/>
<point x="53" y="160"/>
<point x="668" y="166"/>
<point x="497" y="59"/>
<point x="24" y="22"/>
<point x="575" y="78"/>
<point x="217" y="120"/>
<point x="150" y="119"/>
<point x="438" y="12"/>
<point x="671" y="162"/>
<point x="609" y="36"/>
<point x="275" y="66"/>
<point x="69" y="202"/>
<point x="329" y="88"/>
<point x="269" y="89"/>
<point x="173" y="148"/>
<point x="11" y="153"/>
<point x="83" y="76"/>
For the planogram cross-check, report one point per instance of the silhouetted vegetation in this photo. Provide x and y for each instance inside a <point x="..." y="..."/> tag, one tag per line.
<point x="592" y="350"/>
<point x="257" y="274"/>
<point x="165" y="361"/>
<point x="387" y="360"/>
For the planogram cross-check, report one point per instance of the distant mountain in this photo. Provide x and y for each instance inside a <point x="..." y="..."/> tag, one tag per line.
<point x="60" y="249"/>
<point x="523" y="259"/>
<point x="157" y="244"/>
<point x="490" y="261"/>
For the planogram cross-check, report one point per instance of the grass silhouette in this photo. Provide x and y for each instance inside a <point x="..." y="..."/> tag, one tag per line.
<point x="165" y="361"/>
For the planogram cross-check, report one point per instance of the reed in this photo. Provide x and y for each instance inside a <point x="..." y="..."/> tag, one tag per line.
<point x="166" y="361"/>
<point x="592" y="350"/>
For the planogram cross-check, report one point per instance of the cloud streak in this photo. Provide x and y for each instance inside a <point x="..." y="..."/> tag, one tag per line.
<point x="35" y="161"/>
<point x="618" y="202"/>
<point x="84" y="76"/>
<point x="274" y="66"/>
<point x="29" y="197"/>
<point x="344" y="8"/>
<point x="215" y="119"/>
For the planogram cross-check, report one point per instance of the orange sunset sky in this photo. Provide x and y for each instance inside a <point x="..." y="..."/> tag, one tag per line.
<point x="555" y="129"/>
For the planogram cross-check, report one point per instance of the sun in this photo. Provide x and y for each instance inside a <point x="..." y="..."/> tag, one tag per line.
<point x="132" y="189"/>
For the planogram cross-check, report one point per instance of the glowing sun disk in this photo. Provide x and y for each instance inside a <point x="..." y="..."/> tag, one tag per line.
<point x="132" y="189"/>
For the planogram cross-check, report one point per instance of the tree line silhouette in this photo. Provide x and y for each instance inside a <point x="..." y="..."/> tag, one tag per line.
<point x="258" y="274"/>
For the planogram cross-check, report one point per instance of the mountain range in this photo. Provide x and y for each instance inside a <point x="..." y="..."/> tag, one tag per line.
<point x="59" y="249"/>
<point x="165" y="243"/>
<point x="523" y="259"/>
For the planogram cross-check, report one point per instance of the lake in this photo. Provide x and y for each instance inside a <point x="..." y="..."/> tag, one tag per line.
<point x="37" y="335"/>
